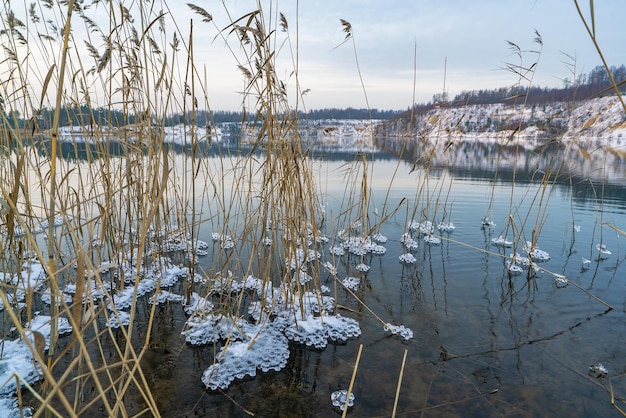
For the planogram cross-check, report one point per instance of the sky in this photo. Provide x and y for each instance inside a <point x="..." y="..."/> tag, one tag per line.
<point x="401" y="51"/>
<point x="454" y="45"/>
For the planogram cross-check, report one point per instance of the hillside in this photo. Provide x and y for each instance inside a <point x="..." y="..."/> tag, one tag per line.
<point x="587" y="140"/>
<point x="598" y="119"/>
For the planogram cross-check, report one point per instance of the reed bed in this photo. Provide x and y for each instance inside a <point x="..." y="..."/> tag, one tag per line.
<point x="117" y="226"/>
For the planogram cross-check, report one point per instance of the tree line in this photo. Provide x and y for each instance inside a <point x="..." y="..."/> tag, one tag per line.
<point x="89" y="117"/>
<point x="584" y="86"/>
<point x="594" y="83"/>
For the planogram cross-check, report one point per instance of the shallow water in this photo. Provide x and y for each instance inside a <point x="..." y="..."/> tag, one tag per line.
<point x="485" y="343"/>
<point x="515" y="346"/>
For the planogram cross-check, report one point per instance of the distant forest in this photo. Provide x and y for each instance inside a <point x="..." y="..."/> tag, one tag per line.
<point x="83" y="116"/>
<point x="585" y="86"/>
<point x="593" y="84"/>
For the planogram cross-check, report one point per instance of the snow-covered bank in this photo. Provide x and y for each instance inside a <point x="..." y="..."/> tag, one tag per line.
<point x="600" y="119"/>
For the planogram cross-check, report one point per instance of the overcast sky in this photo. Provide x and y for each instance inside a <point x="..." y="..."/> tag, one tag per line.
<point x="470" y="35"/>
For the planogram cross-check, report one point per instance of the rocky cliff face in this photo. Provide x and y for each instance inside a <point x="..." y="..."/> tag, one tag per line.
<point x="586" y="140"/>
<point x="598" y="119"/>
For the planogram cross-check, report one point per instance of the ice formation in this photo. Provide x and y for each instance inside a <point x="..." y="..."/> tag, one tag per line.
<point x="351" y="283"/>
<point x="362" y="267"/>
<point x="603" y="252"/>
<point x="125" y="298"/>
<point x="514" y="269"/>
<point x="311" y="301"/>
<point x="403" y="331"/>
<point x="315" y="331"/>
<point x="432" y="239"/>
<point x="500" y="241"/>
<point x="264" y="348"/>
<point x="41" y="324"/>
<point x="198" y="303"/>
<point x="560" y="280"/>
<point x="378" y="249"/>
<point x="301" y="277"/>
<point x="407" y="258"/>
<point x="16" y="360"/>
<point x="330" y="267"/>
<point x="226" y="284"/>
<point x="282" y="316"/>
<point x="164" y="296"/>
<point x="92" y="289"/>
<point x="598" y="370"/>
<point x="424" y="227"/>
<point x="31" y="277"/>
<point x="487" y="223"/>
<point x="585" y="264"/>
<point x="337" y="250"/>
<point x="446" y="227"/>
<point x="379" y="238"/>
<point x="16" y="298"/>
<point x="10" y="408"/>
<point x="302" y="257"/>
<point x="118" y="319"/>
<point x="535" y="253"/>
<point x="339" y="398"/>
<point x="409" y="243"/>
<point x="209" y="327"/>
<point x="521" y="261"/>
<point x="60" y="298"/>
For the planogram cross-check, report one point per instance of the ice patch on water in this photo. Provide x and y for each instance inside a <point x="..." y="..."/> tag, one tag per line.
<point x="330" y="267"/>
<point x="379" y="238"/>
<point x="164" y="296"/>
<point x="16" y="361"/>
<point x="301" y="277"/>
<point x="514" y="269"/>
<point x="118" y="319"/>
<point x="31" y="277"/>
<point x="501" y="241"/>
<point x="41" y="324"/>
<point x="60" y="298"/>
<point x="446" y="227"/>
<point x="265" y="348"/>
<point x="603" y="252"/>
<point x="407" y="258"/>
<point x="560" y="281"/>
<point x="340" y="397"/>
<point x="535" y="253"/>
<point x="401" y="330"/>
<point x="598" y="371"/>
<point x="315" y="331"/>
<point x="409" y="243"/>
<point x="432" y="240"/>
<point x="362" y="267"/>
<point x="337" y="250"/>
<point x="197" y="304"/>
<point x="93" y="289"/>
<point x="351" y="283"/>
<point x="10" y="408"/>
<point x="360" y="246"/>
<point x="126" y="297"/>
<point x="425" y="227"/>
<point x="311" y="301"/>
<point x="211" y="327"/>
<point x="14" y="298"/>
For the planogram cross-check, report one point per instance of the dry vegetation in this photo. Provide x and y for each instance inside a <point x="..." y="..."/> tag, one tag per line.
<point x="122" y="210"/>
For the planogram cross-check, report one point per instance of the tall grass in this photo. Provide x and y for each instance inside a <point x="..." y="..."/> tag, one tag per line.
<point x="126" y="211"/>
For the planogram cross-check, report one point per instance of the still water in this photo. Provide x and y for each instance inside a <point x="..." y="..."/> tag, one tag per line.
<point x="486" y="343"/>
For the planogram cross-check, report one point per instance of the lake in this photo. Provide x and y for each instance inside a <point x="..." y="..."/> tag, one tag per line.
<point x="486" y="341"/>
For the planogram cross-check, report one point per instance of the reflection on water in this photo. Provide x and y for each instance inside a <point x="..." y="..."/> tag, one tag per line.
<point x="486" y="343"/>
<point x="587" y="160"/>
